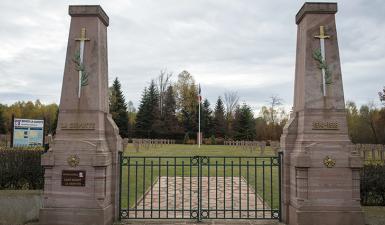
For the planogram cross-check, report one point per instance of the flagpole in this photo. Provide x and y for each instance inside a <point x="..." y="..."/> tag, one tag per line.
<point x="199" y="118"/>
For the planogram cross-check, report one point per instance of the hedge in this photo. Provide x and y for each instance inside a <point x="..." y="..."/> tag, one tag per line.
<point x="373" y="185"/>
<point x="21" y="169"/>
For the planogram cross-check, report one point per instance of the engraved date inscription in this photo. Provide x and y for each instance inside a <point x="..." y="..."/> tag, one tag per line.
<point x="325" y="125"/>
<point x="77" y="126"/>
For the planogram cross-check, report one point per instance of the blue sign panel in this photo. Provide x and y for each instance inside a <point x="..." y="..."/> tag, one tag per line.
<point x="28" y="132"/>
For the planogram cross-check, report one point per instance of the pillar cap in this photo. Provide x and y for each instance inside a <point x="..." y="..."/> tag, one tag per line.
<point x="315" y="8"/>
<point x="88" y="10"/>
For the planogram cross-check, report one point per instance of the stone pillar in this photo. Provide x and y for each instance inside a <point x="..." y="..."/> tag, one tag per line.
<point x="321" y="169"/>
<point x="199" y="137"/>
<point x="81" y="167"/>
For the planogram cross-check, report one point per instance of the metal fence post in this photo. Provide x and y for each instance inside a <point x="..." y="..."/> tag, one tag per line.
<point x="120" y="185"/>
<point x="280" y="161"/>
<point x="199" y="189"/>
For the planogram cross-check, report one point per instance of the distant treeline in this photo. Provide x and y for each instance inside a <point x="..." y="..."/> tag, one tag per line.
<point x="170" y="111"/>
<point x="28" y="110"/>
<point x="366" y="124"/>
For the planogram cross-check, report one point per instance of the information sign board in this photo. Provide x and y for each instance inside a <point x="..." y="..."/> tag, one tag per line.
<point x="28" y="132"/>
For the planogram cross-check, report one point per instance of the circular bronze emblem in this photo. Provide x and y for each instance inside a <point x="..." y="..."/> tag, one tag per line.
<point x="73" y="160"/>
<point x="329" y="162"/>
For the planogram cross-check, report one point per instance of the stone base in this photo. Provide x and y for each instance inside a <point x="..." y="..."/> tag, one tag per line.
<point x="337" y="217"/>
<point x="76" y="216"/>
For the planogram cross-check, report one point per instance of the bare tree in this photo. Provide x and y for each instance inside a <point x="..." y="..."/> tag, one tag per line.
<point x="382" y="96"/>
<point x="163" y="83"/>
<point x="231" y="102"/>
<point x="130" y="107"/>
<point x="274" y="111"/>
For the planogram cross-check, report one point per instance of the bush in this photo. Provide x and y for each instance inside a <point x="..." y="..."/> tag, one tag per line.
<point x="373" y="185"/>
<point x="186" y="139"/>
<point x="212" y="140"/>
<point x="191" y="142"/>
<point x="21" y="169"/>
<point x="206" y="141"/>
<point x="219" y="141"/>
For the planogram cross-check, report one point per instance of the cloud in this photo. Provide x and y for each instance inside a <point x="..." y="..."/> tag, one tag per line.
<point x="246" y="46"/>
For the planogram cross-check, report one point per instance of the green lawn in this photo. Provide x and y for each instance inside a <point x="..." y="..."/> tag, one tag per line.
<point x="192" y="150"/>
<point x="224" y="161"/>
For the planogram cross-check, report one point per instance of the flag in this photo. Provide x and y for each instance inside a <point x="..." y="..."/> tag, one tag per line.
<point x="199" y="93"/>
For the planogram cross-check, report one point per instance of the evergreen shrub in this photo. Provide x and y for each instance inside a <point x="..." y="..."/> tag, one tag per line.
<point x="21" y="168"/>
<point x="373" y="185"/>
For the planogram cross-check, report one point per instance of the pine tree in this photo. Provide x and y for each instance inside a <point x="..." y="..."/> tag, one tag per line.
<point x="236" y="124"/>
<point x="245" y="127"/>
<point x="188" y="120"/>
<point x="219" y="121"/>
<point x="154" y="113"/>
<point x="206" y="118"/>
<point x="142" y="124"/>
<point x="169" y="116"/>
<point x="148" y="119"/>
<point x="118" y="108"/>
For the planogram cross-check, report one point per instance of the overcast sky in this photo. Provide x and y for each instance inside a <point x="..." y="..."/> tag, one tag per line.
<point x="246" y="46"/>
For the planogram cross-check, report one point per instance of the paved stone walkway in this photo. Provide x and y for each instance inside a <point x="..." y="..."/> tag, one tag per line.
<point x="180" y="196"/>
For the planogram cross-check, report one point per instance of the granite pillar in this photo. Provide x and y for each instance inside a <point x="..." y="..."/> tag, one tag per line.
<point x="321" y="180"/>
<point x="81" y="166"/>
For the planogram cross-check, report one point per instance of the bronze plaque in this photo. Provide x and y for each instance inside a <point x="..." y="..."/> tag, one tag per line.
<point x="75" y="178"/>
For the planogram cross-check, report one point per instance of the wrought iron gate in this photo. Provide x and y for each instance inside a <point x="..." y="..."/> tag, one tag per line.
<point x="200" y="187"/>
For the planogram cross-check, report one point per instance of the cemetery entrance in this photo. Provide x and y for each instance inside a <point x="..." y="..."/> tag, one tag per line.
<point x="200" y="187"/>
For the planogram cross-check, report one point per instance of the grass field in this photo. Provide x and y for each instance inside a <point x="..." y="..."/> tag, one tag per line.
<point x="176" y="161"/>
<point x="193" y="150"/>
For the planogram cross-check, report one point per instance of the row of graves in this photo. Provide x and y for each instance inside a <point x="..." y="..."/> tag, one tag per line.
<point x="371" y="152"/>
<point x="148" y="143"/>
<point x="254" y="146"/>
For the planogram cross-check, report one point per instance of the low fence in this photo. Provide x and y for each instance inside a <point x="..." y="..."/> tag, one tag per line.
<point x="371" y="152"/>
<point x="254" y="145"/>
